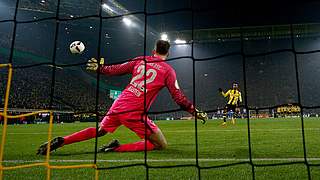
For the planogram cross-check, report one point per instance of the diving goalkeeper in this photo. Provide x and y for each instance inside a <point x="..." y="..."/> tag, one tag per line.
<point x="128" y="110"/>
<point x="234" y="99"/>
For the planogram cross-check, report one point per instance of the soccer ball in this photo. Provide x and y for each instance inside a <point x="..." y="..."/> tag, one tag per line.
<point x="77" y="47"/>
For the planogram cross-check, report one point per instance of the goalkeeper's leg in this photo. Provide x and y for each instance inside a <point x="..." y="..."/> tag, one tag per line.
<point x="108" y="124"/>
<point x="83" y="135"/>
<point x="155" y="141"/>
<point x="155" y="138"/>
<point x="79" y="136"/>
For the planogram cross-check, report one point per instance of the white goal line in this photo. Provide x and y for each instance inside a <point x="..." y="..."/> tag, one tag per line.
<point x="161" y="160"/>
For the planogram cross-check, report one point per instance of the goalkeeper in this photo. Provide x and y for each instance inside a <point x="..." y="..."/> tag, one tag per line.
<point x="129" y="109"/>
<point x="234" y="99"/>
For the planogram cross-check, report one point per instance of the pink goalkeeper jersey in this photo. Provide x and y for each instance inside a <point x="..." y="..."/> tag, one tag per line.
<point x="159" y="74"/>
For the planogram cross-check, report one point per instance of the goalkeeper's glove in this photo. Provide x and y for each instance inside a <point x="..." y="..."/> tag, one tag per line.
<point x="92" y="64"/>
<point x="220" y="90"/>
<point x="201" y="115"/>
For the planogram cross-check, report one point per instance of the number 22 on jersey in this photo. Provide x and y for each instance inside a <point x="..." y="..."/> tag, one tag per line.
<point x="138" y="80"/>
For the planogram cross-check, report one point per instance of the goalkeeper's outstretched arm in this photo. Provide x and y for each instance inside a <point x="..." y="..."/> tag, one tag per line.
<point x="117" y="69"/>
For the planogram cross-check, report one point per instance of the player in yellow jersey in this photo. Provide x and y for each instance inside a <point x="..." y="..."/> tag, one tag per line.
<point x="234" y="99"/>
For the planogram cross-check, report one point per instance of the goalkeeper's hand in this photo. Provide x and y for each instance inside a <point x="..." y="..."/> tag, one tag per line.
<point x="203" y="116"/>
<point x="220" y="90"/>
<point x="92" y="64"/>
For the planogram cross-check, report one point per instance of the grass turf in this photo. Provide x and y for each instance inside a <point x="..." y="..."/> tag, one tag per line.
<point x="272" y="141"/>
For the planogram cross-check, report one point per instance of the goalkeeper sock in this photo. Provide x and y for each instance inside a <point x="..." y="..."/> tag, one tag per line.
<point x="82" y="135"/>
<point x="133" y="147"/>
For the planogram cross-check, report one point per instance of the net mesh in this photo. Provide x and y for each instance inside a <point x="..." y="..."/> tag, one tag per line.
<point x="247" y="58"/>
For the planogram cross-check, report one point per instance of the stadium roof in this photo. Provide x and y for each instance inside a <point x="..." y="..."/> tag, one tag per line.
<point x="77" y="8"/>
<point x="250" y="32"/>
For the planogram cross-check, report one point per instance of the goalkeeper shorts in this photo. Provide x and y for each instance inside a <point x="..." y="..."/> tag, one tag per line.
<point x="132" y="120"/>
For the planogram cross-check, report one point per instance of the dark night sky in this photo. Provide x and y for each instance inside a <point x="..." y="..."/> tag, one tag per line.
<point x="229" y="14"/>
<point x="209" y="13"/>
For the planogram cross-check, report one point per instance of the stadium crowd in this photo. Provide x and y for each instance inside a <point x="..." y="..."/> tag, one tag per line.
<point x="31" y="89"/>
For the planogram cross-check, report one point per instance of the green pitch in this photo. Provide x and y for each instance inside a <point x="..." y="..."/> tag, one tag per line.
<point x="272" y="141"/>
